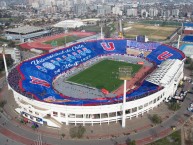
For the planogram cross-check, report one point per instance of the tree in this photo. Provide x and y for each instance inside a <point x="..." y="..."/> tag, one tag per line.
<point x="2" y="103"/>
<point x="107" y="32"/>
<point x="63" y="135"/>
<point x="77" y="132"/>
<point x="130" y="142"/>
<point x="11" y="44"/>
<point x="174" y="106"/>
<point x="188" y="60"/>
<point x="155" y="119"/>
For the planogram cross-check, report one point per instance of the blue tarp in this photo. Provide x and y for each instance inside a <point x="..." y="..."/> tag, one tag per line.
<point x="188" y="24"/>
<point x="188" y="38"/>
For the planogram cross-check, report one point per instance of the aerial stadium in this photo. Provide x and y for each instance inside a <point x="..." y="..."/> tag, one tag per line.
<point x="80" y="84"/>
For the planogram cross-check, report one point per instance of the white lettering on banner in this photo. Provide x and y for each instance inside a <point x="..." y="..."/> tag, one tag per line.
<point x="67" y="66"/>
<point x="41" y="60"/>
<point x="141" y="45"/>
<point x="57" y="71"/>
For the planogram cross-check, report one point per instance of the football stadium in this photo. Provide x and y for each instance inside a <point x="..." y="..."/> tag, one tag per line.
<point x="79" y="84"/>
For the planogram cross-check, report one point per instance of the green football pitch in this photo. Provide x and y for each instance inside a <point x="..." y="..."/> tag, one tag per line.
<point x="103" y="75"/>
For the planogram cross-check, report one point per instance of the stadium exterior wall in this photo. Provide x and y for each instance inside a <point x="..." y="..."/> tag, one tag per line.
<point x="54" y="115"/>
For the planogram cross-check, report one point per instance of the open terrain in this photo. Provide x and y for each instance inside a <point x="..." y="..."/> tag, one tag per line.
<point x="155" y="33"/>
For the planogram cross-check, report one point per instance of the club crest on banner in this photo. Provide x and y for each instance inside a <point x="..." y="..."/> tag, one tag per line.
<point x="108" y="46"/>
<point x="165" y="55"/>
<point x="49" y="65"/>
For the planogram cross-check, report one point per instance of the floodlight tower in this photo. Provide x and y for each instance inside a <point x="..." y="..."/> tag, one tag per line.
<point x="179" y="37"/>
<point x="4" y="59"/>
<point x="125" y="73"/>
<point x="120" y="29"/>
<point x="5" y="63"/>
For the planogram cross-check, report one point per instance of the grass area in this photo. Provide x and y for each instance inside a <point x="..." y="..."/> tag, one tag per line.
<point x="61" y="41"/>
<point x="161" y="23"/>
<point x="92" y="28"/>
<point x="152" y="32"/>
<point x="172" y="139"/>
<point x="103" y="75"/>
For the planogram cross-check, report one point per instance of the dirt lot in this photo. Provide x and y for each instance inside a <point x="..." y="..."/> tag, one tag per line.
<point x="157" y="33"/>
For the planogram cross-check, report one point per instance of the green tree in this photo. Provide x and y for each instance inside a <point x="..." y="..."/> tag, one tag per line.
<point x="2" y="103"/>
<point x="174" y="106"/>
<point x="130" y="142"/>
<point x="155" y="119"/>
<point x="107" y="32"/>
<point x="188" y="60"/>
<point x="77" y="132"/>
<point x="11" y="44"/>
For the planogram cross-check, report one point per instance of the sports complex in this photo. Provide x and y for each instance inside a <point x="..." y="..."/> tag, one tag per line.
<point x="79" y="84"/>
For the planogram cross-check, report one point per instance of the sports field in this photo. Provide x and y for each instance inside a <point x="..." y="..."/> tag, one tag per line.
<point x="103" y="75"/>
<point x="153" y="32"/>
<point x="63" y="40"/>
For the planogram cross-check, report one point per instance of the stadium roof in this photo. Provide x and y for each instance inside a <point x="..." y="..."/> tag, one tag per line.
<point x="24" y="29"/>
<point x="69" y="24"/>
<point x="165" y="73"/>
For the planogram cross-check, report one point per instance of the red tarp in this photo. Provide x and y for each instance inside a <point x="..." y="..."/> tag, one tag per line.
<point x="141" y="62"/>
<point x="104" y="91"/>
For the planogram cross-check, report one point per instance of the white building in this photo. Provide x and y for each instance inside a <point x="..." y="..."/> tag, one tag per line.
<point x="80" y="9"/>
<point x="132" y="12"/>
<point x="175" y="12"/>
<point x="103" y="9"/>
<point x="69" y="24"/>
<point x="144" y="13"/>
<point x="3" y="5"/>
<point x="153" y="12"/>
<point x="117" y="10"/>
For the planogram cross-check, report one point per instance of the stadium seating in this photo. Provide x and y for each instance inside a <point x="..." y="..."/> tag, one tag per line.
<point x="36" y="75"/>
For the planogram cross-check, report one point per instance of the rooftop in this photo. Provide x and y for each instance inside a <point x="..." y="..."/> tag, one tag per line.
<point x="24" y="29"/>
<point x="165" y="73"/>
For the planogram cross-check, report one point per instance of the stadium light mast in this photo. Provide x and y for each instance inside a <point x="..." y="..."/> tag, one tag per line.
<point x="4" y="61"/>
<point x="179" y="37"/>
<point x="125" y="73"/>
<point x="120" y="29"/>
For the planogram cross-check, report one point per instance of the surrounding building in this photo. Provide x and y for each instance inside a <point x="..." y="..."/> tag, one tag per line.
<point x="132" y="12"/>
<point x="26" y="33"/>
<point x="69" y="24"/>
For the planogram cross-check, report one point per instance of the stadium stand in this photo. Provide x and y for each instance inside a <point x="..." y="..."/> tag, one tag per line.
<point x="36" y="75"/>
